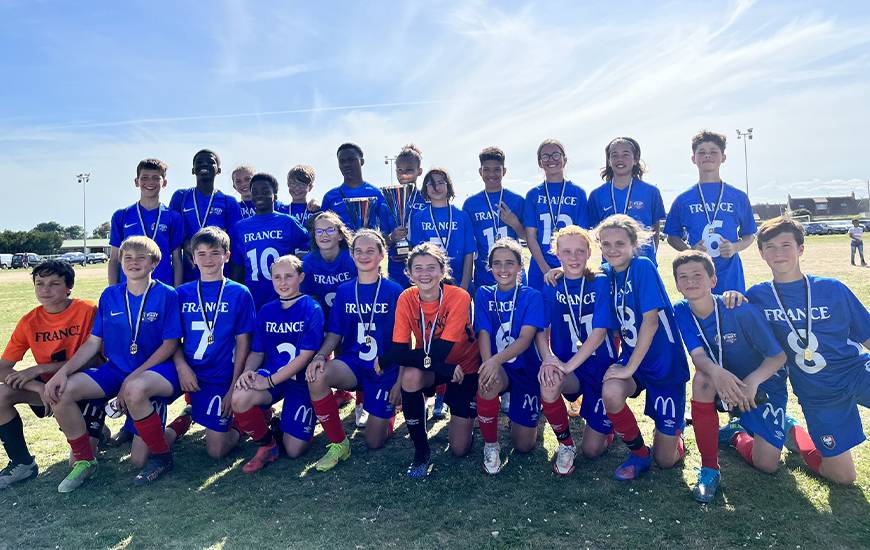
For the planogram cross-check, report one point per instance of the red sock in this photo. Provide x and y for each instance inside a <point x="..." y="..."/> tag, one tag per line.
<point x="743" y="442"/>
<point x="327" y="414"/>
<point x="557" y="415"/>
<point x="187" y="398"/>
<point x="681" y="445"/>
<point x="360" y="396"/>
<point x="705" y="421"/>
<point x="81" y="447"/>
<point x="253" y="423"/>
<point x="610" y="437"/>
<point x="392" y="425"/>
<point x="625" y="425"/>
<point x="807" y="449"/>
<point x="441" y="389"/>
<point x="180" y="425"/>
<point x="487" y="418"/>
<point x="150" y="429"/>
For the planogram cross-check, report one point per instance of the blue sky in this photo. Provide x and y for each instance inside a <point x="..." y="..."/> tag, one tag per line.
<point x="96" y="87"/>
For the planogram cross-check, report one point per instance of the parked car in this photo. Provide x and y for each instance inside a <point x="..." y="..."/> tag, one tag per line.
<point x="816" y="228"/>
<point x="97" y="258"/>
<point x="74" y="258"/>
<point x="25" y="260"/>
<point x="5" y="261"/>
<point x="839" y="227"/>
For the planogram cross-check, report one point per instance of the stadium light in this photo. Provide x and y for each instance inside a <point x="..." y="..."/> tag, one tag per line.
<point x="390" y="160"/>
<point x="83" y="179"/>
<point x="745" y="136"/>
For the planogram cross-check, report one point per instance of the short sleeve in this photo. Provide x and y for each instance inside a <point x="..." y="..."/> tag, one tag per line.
<point x="859" y="318"/>
<point x="657" y="206"/>
<point x="747" y="219"/>
<point x="116" y="231"/>
<point x="603" y="315"/>
<point x="481" y="313"/>
<point x="18" y="344"/>
<point x="758" y="331"/>
<point x="457" y="320"/>
<point x="176" y="203"/>
<point x="176" y="230"/>
<point x="535" y="312"/>
<point x="530" y="209"/>
<point x="237" y="253"/>
<point x="469" y="244"/>
<point x="683" y="317"/>
<point x="336" y="314"/>
<point x="313" y="335"/>
<point x="550" y="304"/>
<point x="402" y="326"/>
<point x="674" y="221"/>
<point x="172" y="312"/>
<point x="258" y="343"/>
<point x="97" y="329"/>
<point x="234" y="211"/>
<point x="644" y="281"/>
<point x="592" y="209"/>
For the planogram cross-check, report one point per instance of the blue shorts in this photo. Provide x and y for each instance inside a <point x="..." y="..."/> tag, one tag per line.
<point x="206" y="405"/>
<point x="525" y="390"/>
<point x="376" y="387"/>
<point x="768" y="420"/>
<point x="592" y="407"/>
<point x="161" y="407"/>
<point x="836" y="426"/>
<point x="110" y="378"/>
<point x="665" y="404"/>
<point x="297" y="413"/>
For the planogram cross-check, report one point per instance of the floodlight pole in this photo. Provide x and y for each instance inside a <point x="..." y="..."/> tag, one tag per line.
<point x="745" y="136"/>
<point x="390" y="160"/>
<point x="83" y="179"/>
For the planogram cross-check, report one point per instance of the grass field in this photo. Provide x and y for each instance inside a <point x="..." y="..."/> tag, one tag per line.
<point x="368" y="503"/>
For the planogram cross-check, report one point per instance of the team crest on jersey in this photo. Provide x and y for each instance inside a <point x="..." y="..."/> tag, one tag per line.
<point x="637" y="205"/>
<point x="729" y="338"/>
<point x="151" y="316"/>
<point x="829" y="442"/>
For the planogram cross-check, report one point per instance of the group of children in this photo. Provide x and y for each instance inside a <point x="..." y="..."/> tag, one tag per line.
<point x="277" y="302"/>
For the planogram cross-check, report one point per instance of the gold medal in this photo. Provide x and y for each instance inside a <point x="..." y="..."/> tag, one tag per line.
<point x="210" y="338"/>
<point x="368" y="340"/>
<point x="809" y="355"/>
<point x="133" y="348"/>
<point x="427" y="362"/>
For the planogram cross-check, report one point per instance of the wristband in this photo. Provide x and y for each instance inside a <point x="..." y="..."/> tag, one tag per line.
<point x="271" y="383"/>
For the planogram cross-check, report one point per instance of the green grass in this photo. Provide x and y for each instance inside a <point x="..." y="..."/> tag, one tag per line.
<point x="367" y="502"/>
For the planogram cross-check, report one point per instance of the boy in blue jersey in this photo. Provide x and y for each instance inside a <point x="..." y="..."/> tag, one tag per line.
<point x="217" y="318"/>
<point x="623" y="192"/>
<point x="554" y="204"/>
<point x="494" y="212"/>
<point x="261" y="239"/>
<point x="408" y="169"/>
<point x="821" y="325"/>
<point x="149" y="218"/>
<point x="300" y="182"/>
<point x="507" y="317"/>
<point x="445" y="226"/>
<point x="735" y="354"/>
<point x="361" y="321"/>
<point x="571" y="306"/>
<point x="350" y="163"/>
<point x="202" y="205"/>
<point x="716" y="217"/>
<point x="137" y="327"/>
<point x="288" y="333"/>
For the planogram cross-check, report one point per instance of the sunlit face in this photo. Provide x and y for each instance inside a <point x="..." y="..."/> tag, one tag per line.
<point x="573" y="253"/>
<point x="242" y="183"/>
<point x="206" y="165"/>
<point x="367" y="254"/>
<point x="286" y="280"/>
<point x="616" y="247"/>
<point x="437" y="188"/>
<point x="425" y="272"/>
<point x="693" y="281"/>
<point x="782" y="254"/>
<point x="492" y="172"/>
<point x="621" y="159"/>
<point x="137" y="264"/>
<point x="51" y="290"/>
<point x="298" y="189"/>
<point x="552" y="160"/>
<point x="150" y="182"/>
<point x="210" y="260"/>
<point x="350" y="164"/>
<point x="505" y="267"/>
<point x="407" y="171"/>
<point x="708" y="157"/>
<point x="262" y="195"/>
<point x="326" y="234"/>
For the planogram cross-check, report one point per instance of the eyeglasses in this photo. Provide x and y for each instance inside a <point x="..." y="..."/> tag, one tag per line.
<point x="328" y="231"/>
<point x="551" y="156"/>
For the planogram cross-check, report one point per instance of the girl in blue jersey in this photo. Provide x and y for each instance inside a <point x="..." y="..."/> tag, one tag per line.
<point x="571" y="306"/>
<point x="217" y="317"/>
<point x="553" y="204"/>
<point x="625" y="193"/>
<point x="651" y="357"/>
<point x="445" y="225"/>
<point x="361" y="321"/>
<point x="507" y="317"/>
<point x="288" y="333"/>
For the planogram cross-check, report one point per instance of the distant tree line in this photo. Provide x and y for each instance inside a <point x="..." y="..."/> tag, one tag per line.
<point x="46" y="237"/>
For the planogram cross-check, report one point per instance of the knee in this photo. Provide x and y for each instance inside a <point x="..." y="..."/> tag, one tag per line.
<point x="375" y="442"/>
<point x="702" y="386"/>
<point x="138" y="461"/>
<point x="592" y="450"/>
<point x="242" y="400"/>
<point x="666" y="457"/>
<point x="842" y="478"/>
<point x="6" y="396"/>
<point x="524" y="444"/>
<point x="550" y="394"/>
<point x="613" y="397"/>
<point x="136" y="392"/>
<point x="412" y="380"/>
<point x="215" y="451"/>
<point x="459" y="450"/>
<point x="766" y="466"/>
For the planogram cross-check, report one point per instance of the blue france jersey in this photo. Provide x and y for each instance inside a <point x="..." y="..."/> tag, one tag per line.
<point x="334" y="200"/>
<point x="562" y="307"/>
<point x="169" y="235"/>
<point x="416" y="203"/>
<point x="354" y="324"/>
<point x="435" y="225"/>
<point x="840" y="325"/>
<point x="282" y="333"/>
<point x="733" y="220"/>
<point x="665" y="360"/>
<point x="224" y="211"/>
<point x="644" y="205"/>
<point x="536" y="213"/>
<point x="247" y="209"/>
<point x="492" y="313"/>
<point x="161" y="320"/>
<point x="257" y="242"/>
<point x="488" y="228"/>
<point x="322" y="278"/>
<point x="746" y="340"/>
<point x="235" y="315"/>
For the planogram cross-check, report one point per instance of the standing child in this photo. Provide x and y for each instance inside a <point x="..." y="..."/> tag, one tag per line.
<point x="300" y="182"/>
<point x="217" y="318"/>
<point x="153" y="220"/>
<point x="288" y="333"/>
<point x="507" y="317"/>
<point x="554" y="204"/>
<point x="408" y="168"/>
<point x="856" y="241"/>
<point x="350" y="163"/>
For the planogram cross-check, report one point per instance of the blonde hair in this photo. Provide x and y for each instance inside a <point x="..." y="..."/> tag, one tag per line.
<point x="580" y="232"/>
<point x="555" y="142"/>
<point x="141" y="244"/>
<point x="243" y="168"/>
<point x="636" y="233"/>
<point x="294" y="262"/>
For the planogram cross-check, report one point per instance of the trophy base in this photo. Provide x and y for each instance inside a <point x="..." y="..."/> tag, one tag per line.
<point x="403" y="248"/>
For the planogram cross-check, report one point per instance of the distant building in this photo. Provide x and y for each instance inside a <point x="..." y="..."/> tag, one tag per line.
<point x="94" y="245"/>
<point x="827" y="206"/>
<point x="768" y="211"/>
